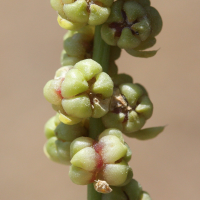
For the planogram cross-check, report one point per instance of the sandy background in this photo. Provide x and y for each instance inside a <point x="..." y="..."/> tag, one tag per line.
<point x="31" y="42"/>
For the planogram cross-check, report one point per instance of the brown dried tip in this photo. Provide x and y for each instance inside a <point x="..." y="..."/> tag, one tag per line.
<point x="102" y="187"/>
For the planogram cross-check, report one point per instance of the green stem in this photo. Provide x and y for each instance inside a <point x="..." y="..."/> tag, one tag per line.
<point x="105" y="57"/>
<point x="92" y="193"/>
<point x="101" y="54"/>
<point x="98" y="45"/>
<point x="96" y="127"/>
<point x="101" y="50"/>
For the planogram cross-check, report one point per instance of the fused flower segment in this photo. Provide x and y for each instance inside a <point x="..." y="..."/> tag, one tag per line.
<point x="94" y="104"/>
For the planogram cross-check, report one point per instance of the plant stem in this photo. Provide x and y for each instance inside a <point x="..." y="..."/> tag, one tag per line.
<point x="101" y="50"/>
<point x="101" y="54"/>
<point x="92" y="193"/>
<point x="105" y="57"/>
<point x="96" y="127"/>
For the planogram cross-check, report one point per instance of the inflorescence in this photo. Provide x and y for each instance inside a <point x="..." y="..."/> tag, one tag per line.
<point x="82" y="89"/>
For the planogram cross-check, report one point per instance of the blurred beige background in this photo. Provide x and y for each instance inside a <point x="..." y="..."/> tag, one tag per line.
<point x="31" y="42"/>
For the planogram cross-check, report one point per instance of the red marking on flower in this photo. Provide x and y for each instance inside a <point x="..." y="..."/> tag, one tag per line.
<point x="58" y="91"/>
<point x="99" y="162"/>
<point x="97" y="147"/>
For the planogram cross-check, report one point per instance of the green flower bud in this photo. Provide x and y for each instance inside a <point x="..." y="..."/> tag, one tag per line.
<point x="112" y="70"/>
<point x="79" y="44"/>
<point x="113" y="149"/>
<point x="89" y="68"/>
<point x="128" y="155"/>
<point x="80" y="143"/>
<point x="129" y="177"/>
<point x="115" y="174"/>
<point x="85" y="159"/>
<point x="65" y="59"/>
<point x="76" y="11"/>
<point x="58" y="6"/>
<point x="130" y="107"/>
<point x="83" y="88"/>
<point x="122" y="78"/>
<point x="131" y="25"/>
<point x="73" y="84"/>
<point x="52" y="93"/>
<point x="112" y="131"/>
<point x="61" y="72"/>
<point x="57" y="148"/>
<point x="103" y="85"/>
<point x="80" y="176"/>
<point x="87" y="12"/>
<point x="64" y="118"/>
<point x="73" y="15"/>
<point x="116" y="194"/>
<point x="50" y="127"/>
<point x="66" y="24"/>
<point x="144" y="3"/>
<point x="133" y="190"/>
<point x="98" y="14"/>
<point x="115" y="52"/>
<point x="65" y="132"/>
<point x="104" y="159"/>
<point x="80" y="104"/>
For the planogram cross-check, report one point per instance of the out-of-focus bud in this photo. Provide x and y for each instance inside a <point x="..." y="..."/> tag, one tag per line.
<point x="73" y="15"/>
<point x="133" y="190"/>
<point x="69" y="25"/>
<point x="50" y="126"/>
<point x="57" y="148"/>
<point x="77" y="45"/>
<point x="103" y="160"/>
<point x="116" y="194"/>
<point x="88" y="12"/>
<point x="132" y="25"/>
<point x="122" y="78"/>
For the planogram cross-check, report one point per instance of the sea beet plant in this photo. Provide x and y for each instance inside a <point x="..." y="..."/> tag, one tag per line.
<point x="94" y="104"/>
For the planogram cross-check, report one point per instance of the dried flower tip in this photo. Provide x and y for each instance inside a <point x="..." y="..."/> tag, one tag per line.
<point x="102" y="187"/>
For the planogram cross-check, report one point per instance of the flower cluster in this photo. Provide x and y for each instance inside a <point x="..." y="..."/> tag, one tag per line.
<point x="105" y="159"/>
<point x="73" y="15"/>
<point x="89" y="95"/>
<point x="132" y="25"/>
<point x="83" y="88"/>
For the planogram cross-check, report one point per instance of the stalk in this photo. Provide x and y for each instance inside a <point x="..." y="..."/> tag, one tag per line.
<point x="101" y="54"/>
